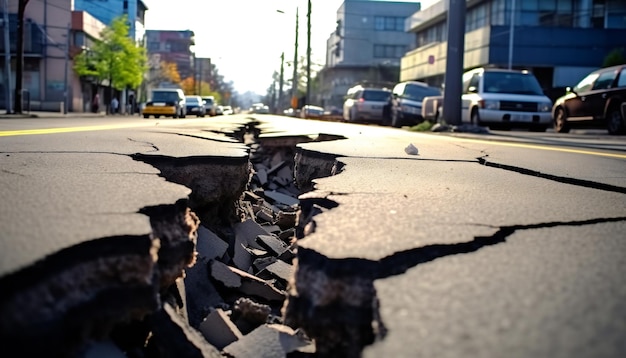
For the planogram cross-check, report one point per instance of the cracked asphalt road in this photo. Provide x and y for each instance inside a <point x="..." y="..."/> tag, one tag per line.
<point x="474" y="247"/>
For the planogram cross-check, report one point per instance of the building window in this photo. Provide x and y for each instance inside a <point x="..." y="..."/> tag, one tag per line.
<point x="437" y="33"/>
<point x="125" y="5"/>
<point x="476" y="17"/>
<point x="389" y="23"/>
<point x="153" y="46"/>
<point x="616" y="14"/>
<point x="389" y="51"/>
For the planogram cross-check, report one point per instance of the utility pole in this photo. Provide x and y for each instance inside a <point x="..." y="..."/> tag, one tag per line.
<point x="65" y="77"/>
<point x="19" y="62"/>
<point x="294" y="86"/>
<point x="280" y="81"/>
<point x="7" y="59"/>
<point x="454" y="62"/>
<point x="308" y="55"/>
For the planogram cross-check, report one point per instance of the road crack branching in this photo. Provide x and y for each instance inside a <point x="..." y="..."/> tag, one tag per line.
<point x="556" y="178"/>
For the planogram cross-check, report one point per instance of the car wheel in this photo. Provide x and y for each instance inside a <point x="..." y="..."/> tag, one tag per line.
<point x="146" y="116"/>
<point x="560" y="121"/>
<point x="614" y="121"/>
<point x="157" y="116"/>
<point x="395" y="120"/>
<point x="182" y="113"/>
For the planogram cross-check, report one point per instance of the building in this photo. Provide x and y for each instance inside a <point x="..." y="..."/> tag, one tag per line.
<point x="174" y="47"/>
<point x="367" y="46"/>
<point x="86" y="31"/>
<point x="107" y="10"/>
<point x="560" y="41"/>
<point x="47" y="68"/>
<point x="54" y="33"/>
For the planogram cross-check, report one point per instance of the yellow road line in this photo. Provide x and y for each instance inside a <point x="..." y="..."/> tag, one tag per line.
<point x="542" y="147"/>
<point x="71" y="129"/>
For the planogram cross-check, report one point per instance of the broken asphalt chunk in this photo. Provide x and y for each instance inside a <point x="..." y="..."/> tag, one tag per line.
<point x="270" y="341"/>
<point x="244" y="282"/>
<point x="219" y="330"/>
<point x="281" y="198"/>
<point x="65" y="299"/>
<point x="270" y="242"/>
<point x="173" y="337"/>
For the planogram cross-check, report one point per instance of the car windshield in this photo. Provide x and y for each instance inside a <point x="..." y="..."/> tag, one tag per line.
<point x="192" y="100"/>
<point x="208" y="100"/>
<point x="417" y="92"/>
<point x="511" y="82"/>
<point x="380" y="96"/>
<point x="164" y="96"/>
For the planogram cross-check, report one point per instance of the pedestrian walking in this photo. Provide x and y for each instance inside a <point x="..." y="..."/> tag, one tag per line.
<point x="131" y="104"/>
<point x="114" y="104"/>
<point x="95" y="103"/>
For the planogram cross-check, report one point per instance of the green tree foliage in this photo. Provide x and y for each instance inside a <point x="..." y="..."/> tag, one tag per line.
<point x="615" y="57"/>
<point x="115" y="58"/>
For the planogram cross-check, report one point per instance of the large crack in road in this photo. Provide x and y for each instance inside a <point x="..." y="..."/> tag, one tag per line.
<point x="162" y="288"/>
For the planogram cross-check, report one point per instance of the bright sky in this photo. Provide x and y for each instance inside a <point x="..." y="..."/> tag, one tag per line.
<point x="245" y="38"/>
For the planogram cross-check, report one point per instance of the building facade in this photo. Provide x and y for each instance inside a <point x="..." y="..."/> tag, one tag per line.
<point x="171" y="46"/>
<point x="53" y="34"/>
<point x="46" y="61"/>
<point x="367" y="46"/>
<point x="107" y="10"/>
<point x="560" y="41"/>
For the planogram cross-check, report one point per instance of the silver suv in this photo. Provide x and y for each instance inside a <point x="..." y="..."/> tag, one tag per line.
<point x="505" y="98"/>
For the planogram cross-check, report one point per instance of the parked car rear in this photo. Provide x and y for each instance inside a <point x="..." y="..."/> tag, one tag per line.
<point x="195" y="106"/>
<point x="311" y="112"/>
<point x="595" y="102"/>
<point x="167" y="102"/>
<point x="405" y="107"/>
<point x="365" y="104"/>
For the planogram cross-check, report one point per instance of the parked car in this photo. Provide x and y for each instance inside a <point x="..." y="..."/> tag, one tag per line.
<point x="311" y="112"/>
<point x="226" y="110"/>
<point x="504" y="98"/>
<point x="209" y="103"/>
<point x="219" y="110"/>
<point x="405" y="104"/>
<point x="259" y="108"/>
<point x="595" y="102"/>
<point x="195" y="106"/>
<point x="365" y="104"/>
<point x="167" y="102"/>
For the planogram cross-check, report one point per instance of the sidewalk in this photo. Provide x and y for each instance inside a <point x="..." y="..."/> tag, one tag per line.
<point x="44" y="114"/>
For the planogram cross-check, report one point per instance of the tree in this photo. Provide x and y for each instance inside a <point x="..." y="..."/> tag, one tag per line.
<point x="19" y="66"/>
<point x="615" y="57"/>
<point x="188" y="85"/>
<point x="115" y="58"/>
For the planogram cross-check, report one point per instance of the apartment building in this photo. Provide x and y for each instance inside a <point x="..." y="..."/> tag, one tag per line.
<point x="46" y="28"/>
<point x="560" y="41"/>
<point x="367" y="46"/>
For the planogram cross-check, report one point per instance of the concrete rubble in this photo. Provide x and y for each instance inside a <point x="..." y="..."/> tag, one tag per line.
<point x="214" y="269"/>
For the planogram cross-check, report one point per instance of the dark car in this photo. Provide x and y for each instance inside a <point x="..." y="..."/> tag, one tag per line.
<point x="405" y="107"/>
<point x="595" y="102"/>
<point x="195" y="106"/>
